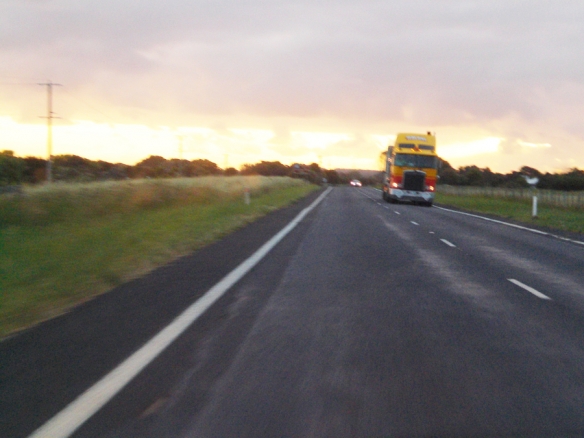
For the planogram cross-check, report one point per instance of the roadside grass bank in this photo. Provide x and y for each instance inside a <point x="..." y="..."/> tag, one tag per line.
<point x="61" y="245"/>
<point x="570" y="219"/>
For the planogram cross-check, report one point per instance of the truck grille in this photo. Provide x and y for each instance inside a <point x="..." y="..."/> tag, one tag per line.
<point x="414" y="180"/>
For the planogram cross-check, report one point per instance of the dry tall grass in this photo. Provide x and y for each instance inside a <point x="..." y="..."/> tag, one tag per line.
<point x="65" y="243"/>
<point x="62" y="202"/>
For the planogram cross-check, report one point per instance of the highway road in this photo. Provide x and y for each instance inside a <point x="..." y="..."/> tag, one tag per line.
<point x="367" y="319"/>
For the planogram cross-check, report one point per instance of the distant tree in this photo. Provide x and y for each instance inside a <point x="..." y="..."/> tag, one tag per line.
<point x="346" y="177"/>
<point x="530" y="172"/>
<point x="574" y="180"/>
<point x="471" y="176"/>
<point x="492" y="179"/>
<point x="447" y="174"/>
<point x="35" y="170"/>
<point x="117" y="171"/>
<point x="332" y="177"/>
<point x="443" y="164"/>
<point x="205" y="167"/>
<point x="159" y="167"/>
<point x="374" y="179"/>
<point x="450" y="177"/>
<point x="514" y="180"/>
<point x="302" y="171"/>
<point x="570" y="181"/>
<point x="152" y="167"/>
<point x="74" y="168"/>
<point x="265" y="168"/>
<point x="178" y="167"/>
<point x="247" y="169"/>
<point x="11" y="168"/>
<point x="314" y="168"/>
<point x="230" y="171"/>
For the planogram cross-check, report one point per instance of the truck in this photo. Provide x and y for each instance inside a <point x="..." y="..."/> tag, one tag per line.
<point x="411" y="169"/>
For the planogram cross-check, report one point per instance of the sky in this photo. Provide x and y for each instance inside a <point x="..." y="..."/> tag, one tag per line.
<point x="501" y="83"/>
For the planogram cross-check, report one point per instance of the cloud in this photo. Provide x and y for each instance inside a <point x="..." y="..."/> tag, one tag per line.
<point x="503" y="68"/>
<point x="534" y="145"/>
<point x="489" y="145"/>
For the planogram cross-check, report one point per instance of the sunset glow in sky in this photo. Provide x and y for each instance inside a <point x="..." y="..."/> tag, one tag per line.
<point x="501" y="83"/>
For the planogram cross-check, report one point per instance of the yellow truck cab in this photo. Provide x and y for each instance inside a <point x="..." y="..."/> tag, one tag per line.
<point x="411" y="169"/>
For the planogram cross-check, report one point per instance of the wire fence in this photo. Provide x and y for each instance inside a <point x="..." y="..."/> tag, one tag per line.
<point x="548" y="197"/>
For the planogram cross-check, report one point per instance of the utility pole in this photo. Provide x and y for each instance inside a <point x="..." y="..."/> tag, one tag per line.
<point x="180" y="147"/>
<point x="49" y="118"/>
<point x="180" y="155"/>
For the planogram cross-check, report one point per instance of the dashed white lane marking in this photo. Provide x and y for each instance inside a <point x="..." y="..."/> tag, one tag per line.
<point x="415" y="223"/>
<point x="397" y="212"/>
<point x="93" y="399"/>
<point x="452" y="245"/>
<point x="432" y="232"/>
<point x="529" y="289"/>
<point x="512" y="225"/>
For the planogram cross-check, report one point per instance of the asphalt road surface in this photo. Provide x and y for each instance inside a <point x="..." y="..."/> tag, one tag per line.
<point x="367" y="320"/>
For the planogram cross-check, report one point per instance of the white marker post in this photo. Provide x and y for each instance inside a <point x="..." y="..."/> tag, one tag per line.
<point x="533" y="183"/>
<point x="246" y="196"/>
<point x="534" y="208"/>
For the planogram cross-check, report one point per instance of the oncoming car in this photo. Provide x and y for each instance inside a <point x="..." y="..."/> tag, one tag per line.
<point x="356" y="183"/>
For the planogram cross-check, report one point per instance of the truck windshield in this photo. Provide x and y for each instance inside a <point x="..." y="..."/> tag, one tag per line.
<point x="414" y="160"/>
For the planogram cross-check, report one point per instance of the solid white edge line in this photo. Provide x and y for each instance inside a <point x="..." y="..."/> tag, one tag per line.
<point x="448" y="243"/>
<point x="512" y="225"/>
<point x="529" y="289"/>
<point x="81" y="409"/>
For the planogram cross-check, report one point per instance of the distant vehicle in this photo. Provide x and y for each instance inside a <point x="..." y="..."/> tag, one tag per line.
<point x="356" y="183"/>
<point x="410" y="169"/>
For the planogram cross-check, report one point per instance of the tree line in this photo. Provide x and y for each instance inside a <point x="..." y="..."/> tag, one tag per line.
<point x="32" y="170"/>
<point x="15" y="170"/>
<point x="571" y="180"/>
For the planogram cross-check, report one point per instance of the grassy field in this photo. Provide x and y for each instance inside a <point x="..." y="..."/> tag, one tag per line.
<point x="565" y="219"/>
<point x="63" y="244"/>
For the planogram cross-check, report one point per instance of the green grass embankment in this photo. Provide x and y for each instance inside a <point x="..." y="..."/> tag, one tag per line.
<point x="559" y="218"/>
<point x="63" y="244"/>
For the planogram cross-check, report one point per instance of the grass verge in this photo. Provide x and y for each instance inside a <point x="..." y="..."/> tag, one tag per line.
<point x="557" y="218"/>
<point x="64" y="252"/>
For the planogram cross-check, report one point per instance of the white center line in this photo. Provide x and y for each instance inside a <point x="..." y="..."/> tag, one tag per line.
<point x="529" y="289"/>
<point x="432" y="232"/>
<point x="448" y="243"/>
<point x="415" y="223"/>
<point x="397" y="212"/>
